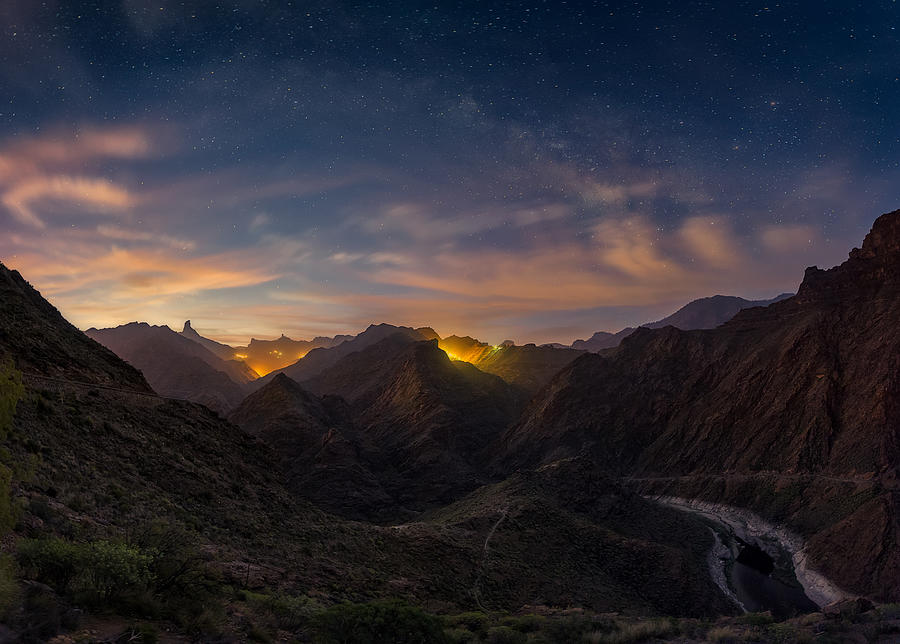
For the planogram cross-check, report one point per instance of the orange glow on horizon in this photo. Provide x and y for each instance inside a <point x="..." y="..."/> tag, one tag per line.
<point x="453" y="356"/>
<point x="266" y="362"/>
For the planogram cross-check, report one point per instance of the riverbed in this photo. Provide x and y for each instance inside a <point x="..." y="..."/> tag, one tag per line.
<point x="759" y="566"/>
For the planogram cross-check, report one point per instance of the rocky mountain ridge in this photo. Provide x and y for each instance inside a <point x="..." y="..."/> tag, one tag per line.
<point x="778" y="403"/>
<point x="703" y="313"/>
<point x="177" y="367"/>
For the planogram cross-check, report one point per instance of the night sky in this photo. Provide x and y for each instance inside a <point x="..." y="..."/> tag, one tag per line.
<point x="535" y="171"/>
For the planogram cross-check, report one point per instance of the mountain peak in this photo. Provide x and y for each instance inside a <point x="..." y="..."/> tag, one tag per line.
<point x="873" y="266"/>
<point x="281" y="380"/>
<point x="883" y="240"/>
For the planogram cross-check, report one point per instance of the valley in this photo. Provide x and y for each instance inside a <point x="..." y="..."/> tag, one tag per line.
<point x="753" y="466"/>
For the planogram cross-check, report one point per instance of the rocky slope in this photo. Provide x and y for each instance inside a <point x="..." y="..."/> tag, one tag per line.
<point x="571" y="518"/>
<point x="529" y="367"/>
<point x="43" y="343"/>
<point x="805" y="387"/>
<point x="177" y="367"/>
<point x="415" y="423"/>
<point x="325" y="457"/>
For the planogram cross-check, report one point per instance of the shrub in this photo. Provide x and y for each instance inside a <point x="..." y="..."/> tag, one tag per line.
<point x="785" y="633"/>
<point x="525" y="623"/>
<point x="725" y="635"/>
<point x="504" y="635"/>
<point x="375" y="622"/>
<point x="97" y="571"/>
<point x="43" y="615"/>
<point x="888" y="611"/>
<point x="286" y="612"/>
<point x="9" y="589"/>
<point x="474" y="621"/>
<point x="460" y="636"/>
<point x="52" y="561"/>
<point x="756" y="619"/>
<point x="575" y="628"/>
<point x="7" y="508"/>
<point x="112" y="569"/>
<point x="11" y="391"/>
<point x="638" y="632"/>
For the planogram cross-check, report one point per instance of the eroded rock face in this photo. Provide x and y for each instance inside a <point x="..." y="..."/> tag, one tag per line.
<point x="807" y="387"/>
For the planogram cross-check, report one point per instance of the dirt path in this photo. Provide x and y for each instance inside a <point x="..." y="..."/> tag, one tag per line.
<point x="485" y="551"/>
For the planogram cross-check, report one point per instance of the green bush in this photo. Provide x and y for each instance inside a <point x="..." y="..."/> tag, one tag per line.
<point x="285" y="612"/>
<point x="460" y="636"/>
<point x="640" y="631"/>
<point x="95" y="572"/>
<point x="725" y="635"/>
<point x="42" y="616"/>
<point x="574" y="628"/>
<point x="376" y="622"/>
<point x="756" y="619"/>
<point x="112" y="569"/>
<point x="504" y="635"/>
<point x="9" y="589"/>
<point x="474" y="621"/>
<point x="11" y="391"/>
<point x="8" y="514"/>
<point x="525" y="623"/>
<point x="53" y="561"/>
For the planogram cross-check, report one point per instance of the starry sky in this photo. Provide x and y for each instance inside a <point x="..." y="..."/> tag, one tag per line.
<point x="527" y="170"/>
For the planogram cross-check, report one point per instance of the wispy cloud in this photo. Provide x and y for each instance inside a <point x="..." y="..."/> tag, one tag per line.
<point x="116" y="232"/>
<point x="49" y="171"/>
<point x="78" y="194"/>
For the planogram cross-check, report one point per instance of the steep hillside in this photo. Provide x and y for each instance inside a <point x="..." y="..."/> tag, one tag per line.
<point x="805" y="387"/>
<point x="529" y="367"/>
<point x="571" y="518"/>
<point x="326" y="459"/>
<point x="429" y="416"/>
<point x="177" y="367"/>
<point x="41" y="342"/>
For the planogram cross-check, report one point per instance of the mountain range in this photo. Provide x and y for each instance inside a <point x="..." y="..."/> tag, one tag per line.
<point x="466" y="476"/>
<point x="704" y="313"/>
<point x="220" y="376"/>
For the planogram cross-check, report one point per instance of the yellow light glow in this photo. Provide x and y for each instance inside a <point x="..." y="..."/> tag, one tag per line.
<point x="240" y="356"/>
